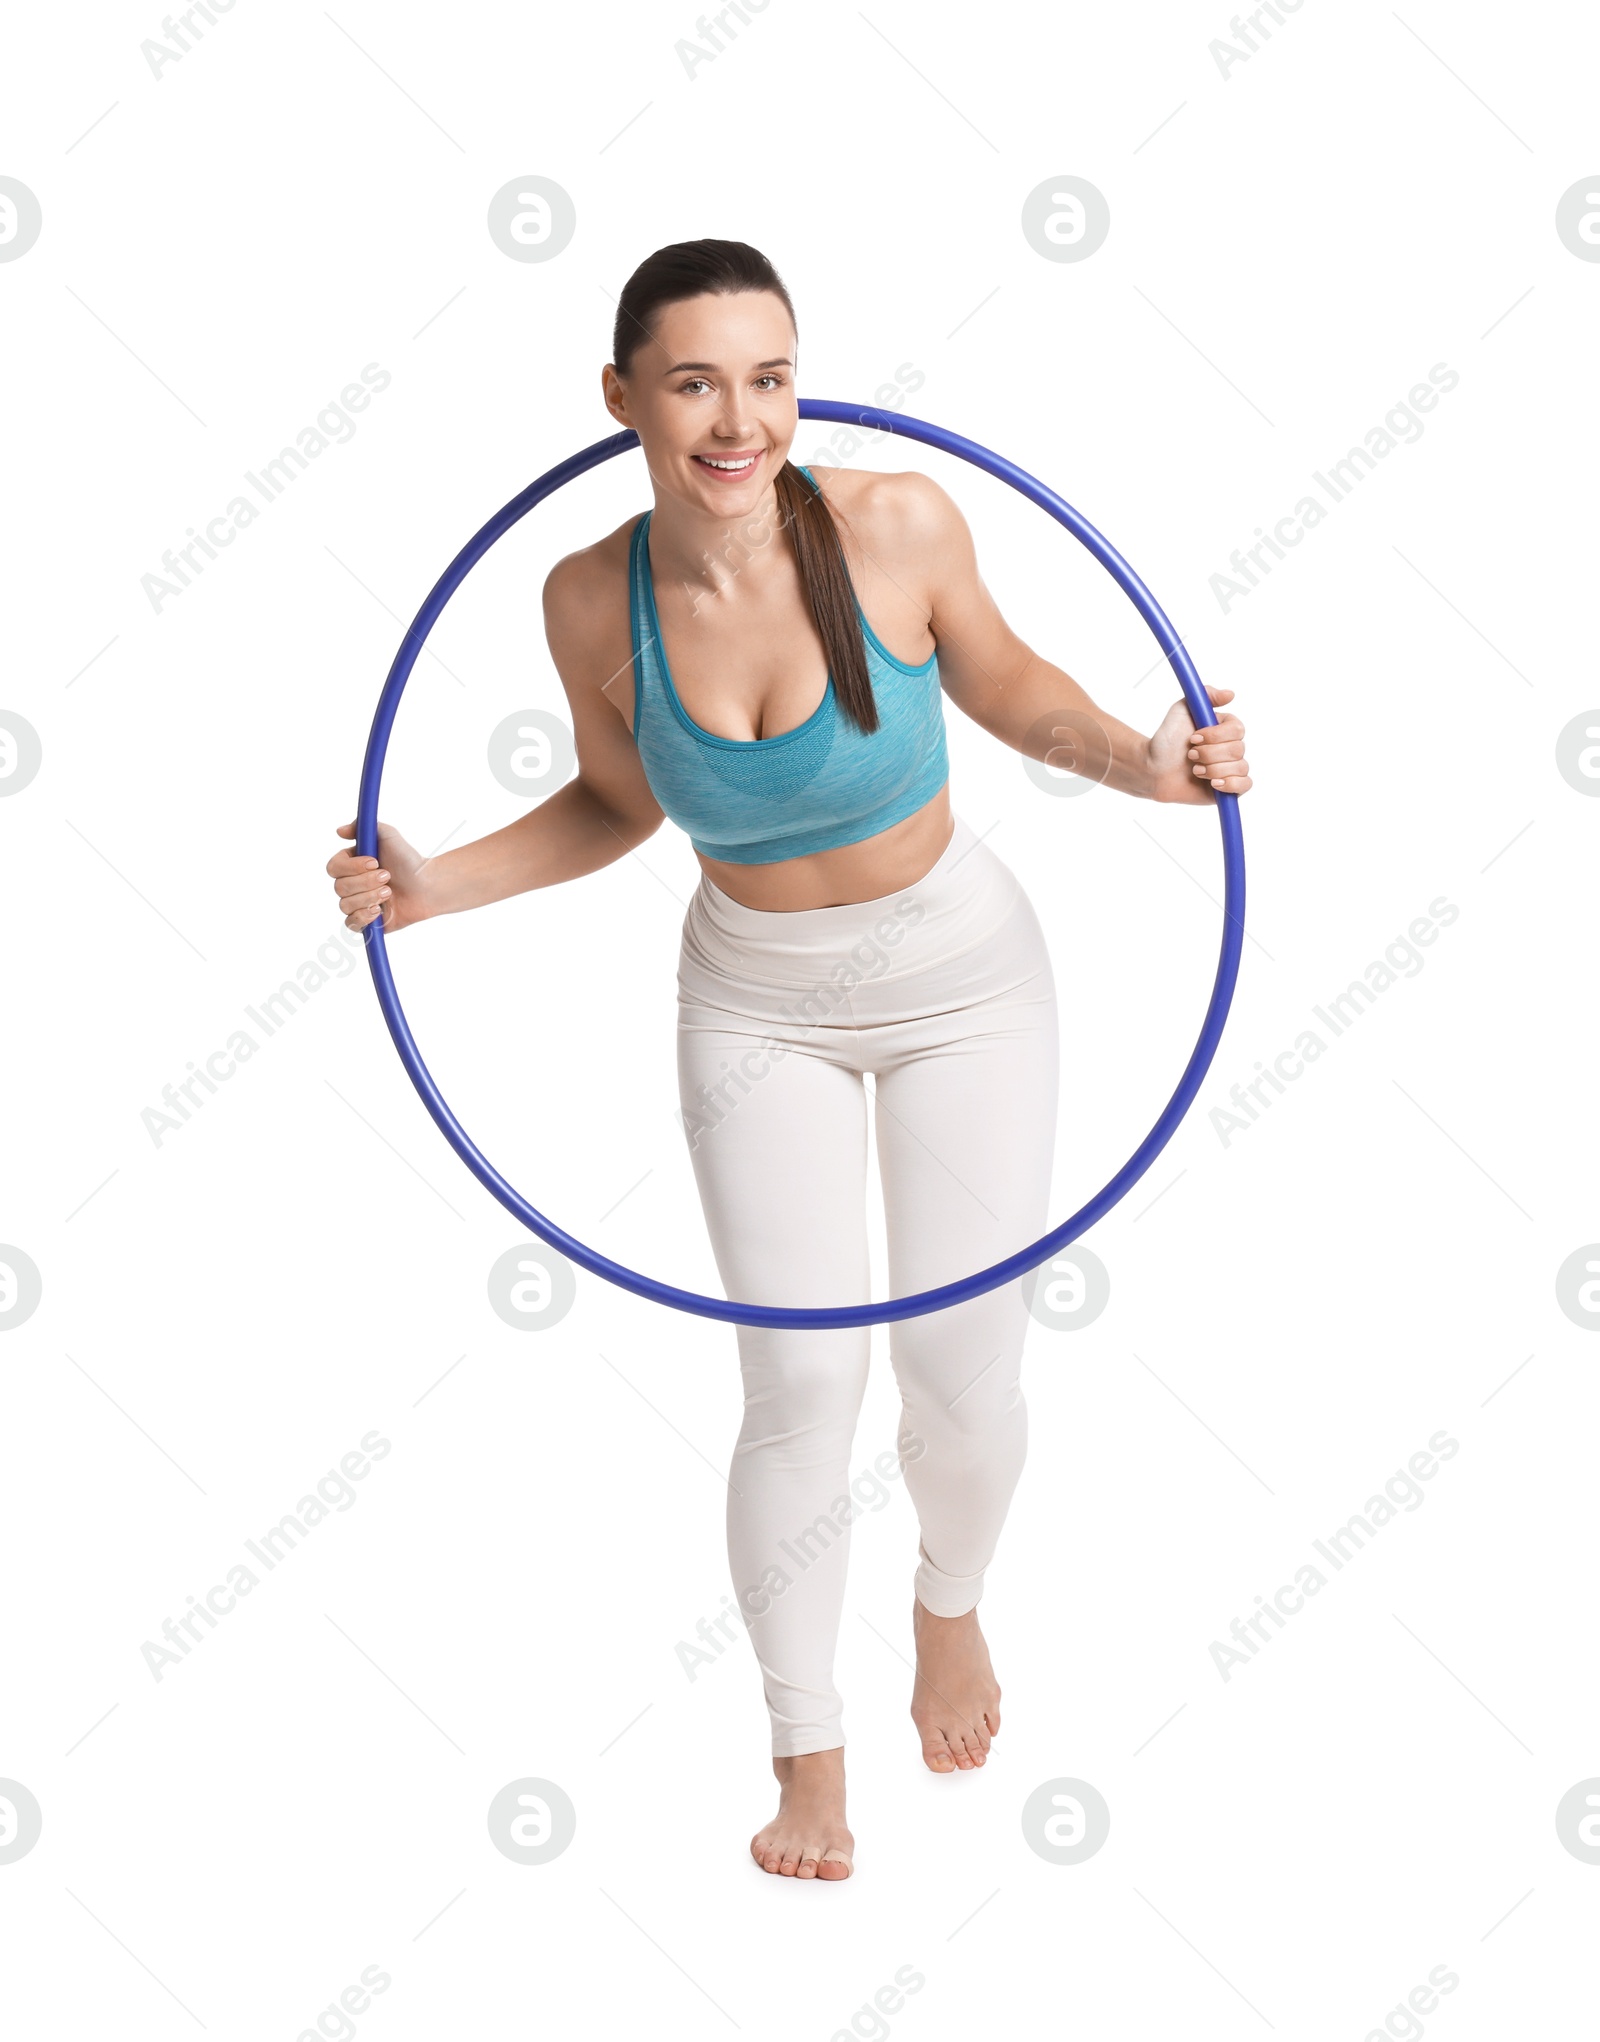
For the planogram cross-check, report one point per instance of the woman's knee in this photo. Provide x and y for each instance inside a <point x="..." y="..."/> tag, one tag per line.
<point x="970" y="1427"/>
<point x="803" y="1387"/>
<point x="965" y="1361"/>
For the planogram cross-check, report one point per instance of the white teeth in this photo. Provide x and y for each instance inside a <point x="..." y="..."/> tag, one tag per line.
<point x="747" y="462"/>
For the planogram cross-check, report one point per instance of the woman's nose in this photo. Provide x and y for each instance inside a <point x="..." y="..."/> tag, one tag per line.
<point x="732" y="424"/>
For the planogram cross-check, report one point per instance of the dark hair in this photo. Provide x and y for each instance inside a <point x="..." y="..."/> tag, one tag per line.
<point x="688" y="269"/>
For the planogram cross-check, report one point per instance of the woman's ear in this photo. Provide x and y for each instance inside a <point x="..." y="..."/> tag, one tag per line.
<point x="615" y="394"/>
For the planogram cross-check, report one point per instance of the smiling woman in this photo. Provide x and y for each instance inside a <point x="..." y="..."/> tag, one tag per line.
<point x="736" y="451"/>
<point x="762" y="656"/>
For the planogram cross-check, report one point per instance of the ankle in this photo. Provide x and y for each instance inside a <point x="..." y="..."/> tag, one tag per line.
<point x="810" y="1765"/>
<point x="924" y="1619"/>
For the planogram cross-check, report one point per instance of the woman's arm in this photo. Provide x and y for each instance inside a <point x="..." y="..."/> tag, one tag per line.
<point x="590" y="822"/>
<point x="608" y="808"/>
<point x="1031" y="705"/>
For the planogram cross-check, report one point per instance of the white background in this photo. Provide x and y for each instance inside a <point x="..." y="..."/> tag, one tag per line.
<point x="1293" y="1313"/>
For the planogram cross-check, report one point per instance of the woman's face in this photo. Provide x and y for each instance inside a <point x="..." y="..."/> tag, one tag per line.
<point x="712" y="397"/>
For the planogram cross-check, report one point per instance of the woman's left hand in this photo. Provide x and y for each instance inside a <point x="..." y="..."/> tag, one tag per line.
<point x="1187" y="763"/>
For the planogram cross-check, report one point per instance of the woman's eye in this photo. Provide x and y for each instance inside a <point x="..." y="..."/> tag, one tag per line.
<point x="695" y="382"/>
<point x="773" y="380"/>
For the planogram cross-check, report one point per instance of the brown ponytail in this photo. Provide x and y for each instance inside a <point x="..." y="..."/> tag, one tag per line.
<point x="686" y="269"/>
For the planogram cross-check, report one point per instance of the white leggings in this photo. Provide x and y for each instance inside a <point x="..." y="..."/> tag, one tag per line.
<point x="944" y="992"/>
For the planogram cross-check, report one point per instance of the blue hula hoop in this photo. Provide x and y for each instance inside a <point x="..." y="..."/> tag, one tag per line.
<point x="889" y="1309"/>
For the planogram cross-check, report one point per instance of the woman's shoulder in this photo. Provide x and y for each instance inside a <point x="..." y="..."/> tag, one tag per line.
<point x="587" y="620"/>
<point x="902" y="521"/>
<point x="583" y="589"/>
<point x="897" y="505"/>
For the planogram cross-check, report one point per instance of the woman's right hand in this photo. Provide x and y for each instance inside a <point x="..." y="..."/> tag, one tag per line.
<point x="390" y="884"/>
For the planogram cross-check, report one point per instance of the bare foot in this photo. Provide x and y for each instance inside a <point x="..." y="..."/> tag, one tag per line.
<point x="807" y="1838"/>
<point x="955" y="1702"/>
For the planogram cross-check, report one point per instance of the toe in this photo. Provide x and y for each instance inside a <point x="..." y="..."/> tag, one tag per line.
<point x="835" y="1865"/>
<point x="937" y="1756"/>
<point x="808" y="1866"/>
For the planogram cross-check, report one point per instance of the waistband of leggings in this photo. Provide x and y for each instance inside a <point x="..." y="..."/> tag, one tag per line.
<point x="802" y="927"/>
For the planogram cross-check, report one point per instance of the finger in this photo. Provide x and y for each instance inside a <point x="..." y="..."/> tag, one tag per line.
<point x="368" y="896"/>
<point x="1220" y="695"/>
<point x="1210" y="754"/>
<point x="1225" y="769"/>
<point x="360" y="878"/>
<point x="360" y="918"/>
<point x="1232" y="783"/>
<point x="1219" y="733"/>
<point x="351" y="861"/>
<point x="361" y="896"/>
<point x="345" y="829"/>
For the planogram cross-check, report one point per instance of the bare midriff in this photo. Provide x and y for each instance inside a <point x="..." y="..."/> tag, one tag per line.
<point x="895" y="858"/>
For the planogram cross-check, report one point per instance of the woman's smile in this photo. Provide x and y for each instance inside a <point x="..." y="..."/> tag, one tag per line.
<point x="729" y="467"/>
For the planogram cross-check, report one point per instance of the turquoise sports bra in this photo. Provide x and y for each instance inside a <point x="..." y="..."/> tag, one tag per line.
<point x="754" y="801"/>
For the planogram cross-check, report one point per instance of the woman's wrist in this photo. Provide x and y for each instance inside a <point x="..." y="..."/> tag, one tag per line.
<point x="1153" y="785"/>
<point x="1167" y="781"/>
<point x="438" y="886"/>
